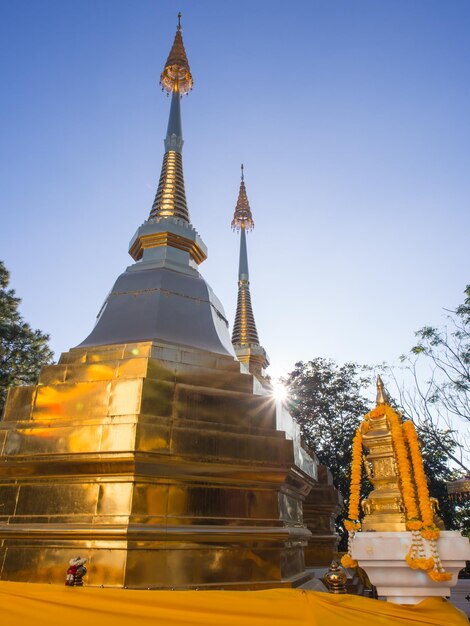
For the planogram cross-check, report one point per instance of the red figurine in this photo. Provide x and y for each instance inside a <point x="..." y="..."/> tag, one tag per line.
<point x="76" y="572"/>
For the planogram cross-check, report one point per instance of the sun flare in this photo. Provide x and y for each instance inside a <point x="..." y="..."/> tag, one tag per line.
<point x="280" y="391"/>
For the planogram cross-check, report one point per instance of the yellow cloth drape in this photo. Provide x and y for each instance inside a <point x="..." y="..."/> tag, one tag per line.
<point x="29" y="604"/>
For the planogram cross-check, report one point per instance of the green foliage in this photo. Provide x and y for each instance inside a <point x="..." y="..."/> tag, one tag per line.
<point x="443" y="399"/>
<point x="23" y="351"/>
<point x="327" y="401"/>
<point x="438" y="473"/>
<point x="439" y="404"/>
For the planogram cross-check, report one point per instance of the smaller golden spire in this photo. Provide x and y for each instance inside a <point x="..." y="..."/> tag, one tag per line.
<point x="382" y="397"/>
<point x="176" y="75"/>
<point x="242" y="218"/>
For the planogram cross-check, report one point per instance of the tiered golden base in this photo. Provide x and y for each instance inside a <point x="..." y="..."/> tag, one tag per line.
<point x="158" y="464"/>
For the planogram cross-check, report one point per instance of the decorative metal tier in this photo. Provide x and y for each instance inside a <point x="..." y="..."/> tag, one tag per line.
<point x="244" y="328"/>
<point x="170" y="199"/>
<point x="176" y="75"/>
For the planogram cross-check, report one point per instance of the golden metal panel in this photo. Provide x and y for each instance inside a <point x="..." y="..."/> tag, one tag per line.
<point x="150" y="499"/>
<point x="139" y="349"/>
<point x="94" y="356"/>
<point x="166" y="353"/>
<point x="89" y="372"/>
<point x="196" y="567"/>
<point x="145" y="568"/>
<point x="158" y="370"/>
<point x="115" y="499"/>
<point x="224" y="407"/>
<point x="201" y="360"/>
<point x="117" y="437"/>
<point x="8" y="496"/>
<point x="133" y="368"/>
<point x="157" y="397"/>
<point x="73" y="356"/>
<point x="222" y="502"/>
<point x="56" y="440"/>
<point x="125" y="396"/>
<point x="203" y="377"/>
<point x="227" y="363"/>
<point x="72" y="400"/>
<point x="18" y="404"/>
<point x="52" y="374"/>
<point x="153" y="438"/>
<point x="233" y="447"/>
<point x="106" y="567"/>
<point x="57" y="498"/>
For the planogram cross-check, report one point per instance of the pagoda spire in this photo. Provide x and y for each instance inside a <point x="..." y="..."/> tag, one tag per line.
<point x="167" y="237"/>
<point x="175" y="79"/>
<point x="245" y="335"/>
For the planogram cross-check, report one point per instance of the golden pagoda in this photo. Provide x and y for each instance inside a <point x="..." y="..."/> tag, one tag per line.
<point x="383" y="508"/>
<point x="148" y="449"/>
<point x="245" y="335"/>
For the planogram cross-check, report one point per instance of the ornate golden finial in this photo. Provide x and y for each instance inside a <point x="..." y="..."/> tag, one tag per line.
<point x="382" y="397"/>
<point x="335" y="579"/>
<point x="176" y="75"/>
<point x="242" y="218"/>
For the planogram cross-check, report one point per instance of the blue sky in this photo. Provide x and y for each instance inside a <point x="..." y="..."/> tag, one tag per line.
<point x="352" y="120"/>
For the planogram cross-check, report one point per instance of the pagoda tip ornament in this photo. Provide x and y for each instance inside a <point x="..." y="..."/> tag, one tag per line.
<point x="242" y="218"/>
<point x="382" y="397"/>
<point x="176" y="75"/>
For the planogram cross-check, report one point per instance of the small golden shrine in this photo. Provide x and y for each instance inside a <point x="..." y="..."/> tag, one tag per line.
<point x="400" y="500"/>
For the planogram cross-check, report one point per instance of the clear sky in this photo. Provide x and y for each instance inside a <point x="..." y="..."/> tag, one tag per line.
<point x="352" y="120"/>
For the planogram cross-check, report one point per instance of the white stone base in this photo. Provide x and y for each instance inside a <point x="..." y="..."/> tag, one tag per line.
<point x="382" y="556"/>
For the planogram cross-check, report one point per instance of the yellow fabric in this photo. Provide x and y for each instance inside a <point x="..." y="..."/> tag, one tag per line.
<point x="28" y="604"/>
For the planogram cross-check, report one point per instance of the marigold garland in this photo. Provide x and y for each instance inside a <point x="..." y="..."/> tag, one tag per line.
<point x="411" y="435"/>
<point x="403" y="463"/>
<point x="348" y="561"/>
<point x="355" y="487"/>
<point x="419" y="520"/>
<point x="429" y="531"/>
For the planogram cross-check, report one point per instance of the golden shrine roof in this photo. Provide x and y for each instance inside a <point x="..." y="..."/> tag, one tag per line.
<point x="176" y="75"/>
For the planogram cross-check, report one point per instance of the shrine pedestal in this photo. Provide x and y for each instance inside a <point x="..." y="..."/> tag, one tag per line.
<point x="382" y="556"/>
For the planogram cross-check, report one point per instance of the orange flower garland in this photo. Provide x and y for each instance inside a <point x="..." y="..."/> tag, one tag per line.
<point x="420" y="521"/>
<point x="404" y="468"/>
<point x="430" y="531"/>
<point x="420" y="477"/>
<point x="352" y="524"/>
<point x="355" y="489"/>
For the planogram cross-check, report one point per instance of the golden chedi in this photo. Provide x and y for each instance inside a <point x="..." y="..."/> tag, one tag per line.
<point x="400" y="501"/>
<point x="383" y="508"/>
<point x="148" y="449"/>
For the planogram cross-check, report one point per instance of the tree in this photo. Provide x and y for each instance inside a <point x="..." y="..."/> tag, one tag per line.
<point x="439" y="364"/>
<point x="23" y="351"/>
<point x="327" y="401"/>
<point x="439" y="473"/>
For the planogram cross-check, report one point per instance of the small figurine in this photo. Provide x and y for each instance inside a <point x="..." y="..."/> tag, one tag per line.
<point x="76" y="572"/>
